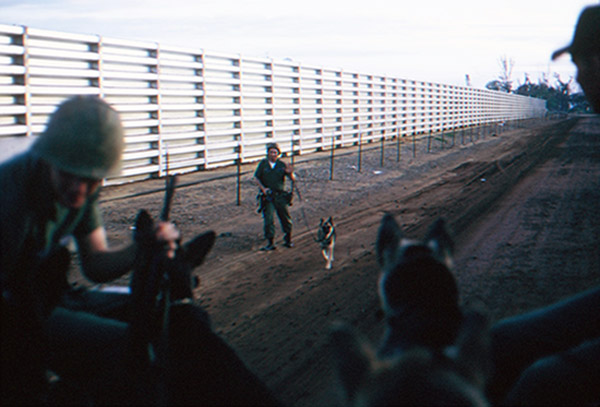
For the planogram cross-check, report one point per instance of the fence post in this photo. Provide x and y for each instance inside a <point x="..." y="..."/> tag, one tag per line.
<point x="382" y="149"/>
<point x="239" y="173"/>
<point x="399" y="146"/>
<point x="332" y="157"/>
<point x="414" y="145"/>
<point x="292" y="150"/>
<point x="429" y="141"/>
<point x="359" y="150"/>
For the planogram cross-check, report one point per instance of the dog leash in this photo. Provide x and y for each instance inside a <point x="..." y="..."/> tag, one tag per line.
<point x="295" y="187"/>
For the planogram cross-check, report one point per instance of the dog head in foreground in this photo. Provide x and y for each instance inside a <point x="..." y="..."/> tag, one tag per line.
<point x="417" y="289"/>
<point x="432" y="353"/>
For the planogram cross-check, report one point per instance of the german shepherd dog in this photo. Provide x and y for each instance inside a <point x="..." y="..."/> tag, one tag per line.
<point x="326" y="238"/>
<point x="433" y="352"/>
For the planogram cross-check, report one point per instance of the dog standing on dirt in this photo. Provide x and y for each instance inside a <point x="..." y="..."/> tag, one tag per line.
<point x="326" y="238"/>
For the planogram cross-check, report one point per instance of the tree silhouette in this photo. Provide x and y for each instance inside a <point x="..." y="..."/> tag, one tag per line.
<point x="504" y="81"/>
<point x="557" y="95"/>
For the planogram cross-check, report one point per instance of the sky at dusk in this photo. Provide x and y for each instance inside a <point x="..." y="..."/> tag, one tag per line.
<point x="439" y="41"/>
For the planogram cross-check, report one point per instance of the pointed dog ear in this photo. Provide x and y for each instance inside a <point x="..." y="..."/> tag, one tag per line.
<point x="143" y="227"/>
<point x="388" y="237"/>
<point x="330" y="220"/>
<point x="352" y="356"/>
<point x="196" y="250"/>
<point x="439" y="240"/>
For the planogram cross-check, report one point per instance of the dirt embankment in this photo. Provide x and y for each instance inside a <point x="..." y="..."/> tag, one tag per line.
<point x="519" y="202"/>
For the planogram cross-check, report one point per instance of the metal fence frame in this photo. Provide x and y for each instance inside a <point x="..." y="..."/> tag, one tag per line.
<point x="208" y="109"/>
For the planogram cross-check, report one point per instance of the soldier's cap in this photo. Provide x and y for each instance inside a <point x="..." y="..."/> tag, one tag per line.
<point x="273" y="145"/>
<point x="586" y="38"/>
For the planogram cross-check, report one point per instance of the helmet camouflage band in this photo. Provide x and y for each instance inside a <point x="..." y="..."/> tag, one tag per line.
<point x="84" y="137"/>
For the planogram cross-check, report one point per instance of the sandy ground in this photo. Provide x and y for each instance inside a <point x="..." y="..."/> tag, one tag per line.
<point x="522" y="204"/>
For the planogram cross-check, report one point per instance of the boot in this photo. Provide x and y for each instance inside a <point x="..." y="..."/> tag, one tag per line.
<point x="270" y="246"/>
<point x="287" y="240"/>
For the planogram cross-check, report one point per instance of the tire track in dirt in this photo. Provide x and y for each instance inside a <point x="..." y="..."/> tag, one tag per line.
<point x="276" y="308"/>
<point x="540" y="243"/>
<point x="301" y="361"/>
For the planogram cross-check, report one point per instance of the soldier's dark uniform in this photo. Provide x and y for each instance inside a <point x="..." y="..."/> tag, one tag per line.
<point x="275" y="202"/>
<point x="85" y="336"/>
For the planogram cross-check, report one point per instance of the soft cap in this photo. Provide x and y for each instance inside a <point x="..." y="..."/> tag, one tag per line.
<point x="586" y="38"/>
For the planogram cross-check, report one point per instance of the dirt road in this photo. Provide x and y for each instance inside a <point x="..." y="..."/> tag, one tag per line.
<point x="523" y="205"/>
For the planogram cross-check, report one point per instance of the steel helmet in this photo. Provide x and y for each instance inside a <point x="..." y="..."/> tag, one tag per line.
<point x="84" y="137"/>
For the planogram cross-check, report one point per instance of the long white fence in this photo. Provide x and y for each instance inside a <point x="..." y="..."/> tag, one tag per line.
<point x="209" y="109"/>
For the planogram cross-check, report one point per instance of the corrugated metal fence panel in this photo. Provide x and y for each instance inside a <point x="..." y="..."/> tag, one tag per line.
<point x="207" y="109"/>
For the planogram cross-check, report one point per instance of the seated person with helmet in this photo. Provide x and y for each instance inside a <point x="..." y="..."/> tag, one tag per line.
<point x="50" y="193"/>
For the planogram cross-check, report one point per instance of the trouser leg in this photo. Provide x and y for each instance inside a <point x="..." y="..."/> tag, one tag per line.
<point x="286" y="221"/>
<point x="519" y="341"/>
<point x="22" y="352"/>
<point x="91" y="345"/>
<point x="268" y="224"/>
<point x="91" y="351"/>
<point x="85" y="350"/>
<point x="103" y="304"/>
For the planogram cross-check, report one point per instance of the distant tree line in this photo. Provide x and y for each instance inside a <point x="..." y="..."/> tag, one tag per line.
<point x="557" y="95"/>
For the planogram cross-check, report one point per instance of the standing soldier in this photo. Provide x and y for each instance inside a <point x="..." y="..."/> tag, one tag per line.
<point x="270" y="175"/>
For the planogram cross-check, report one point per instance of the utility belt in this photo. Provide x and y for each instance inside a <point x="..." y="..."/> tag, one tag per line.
<point x="268" y="197"/>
